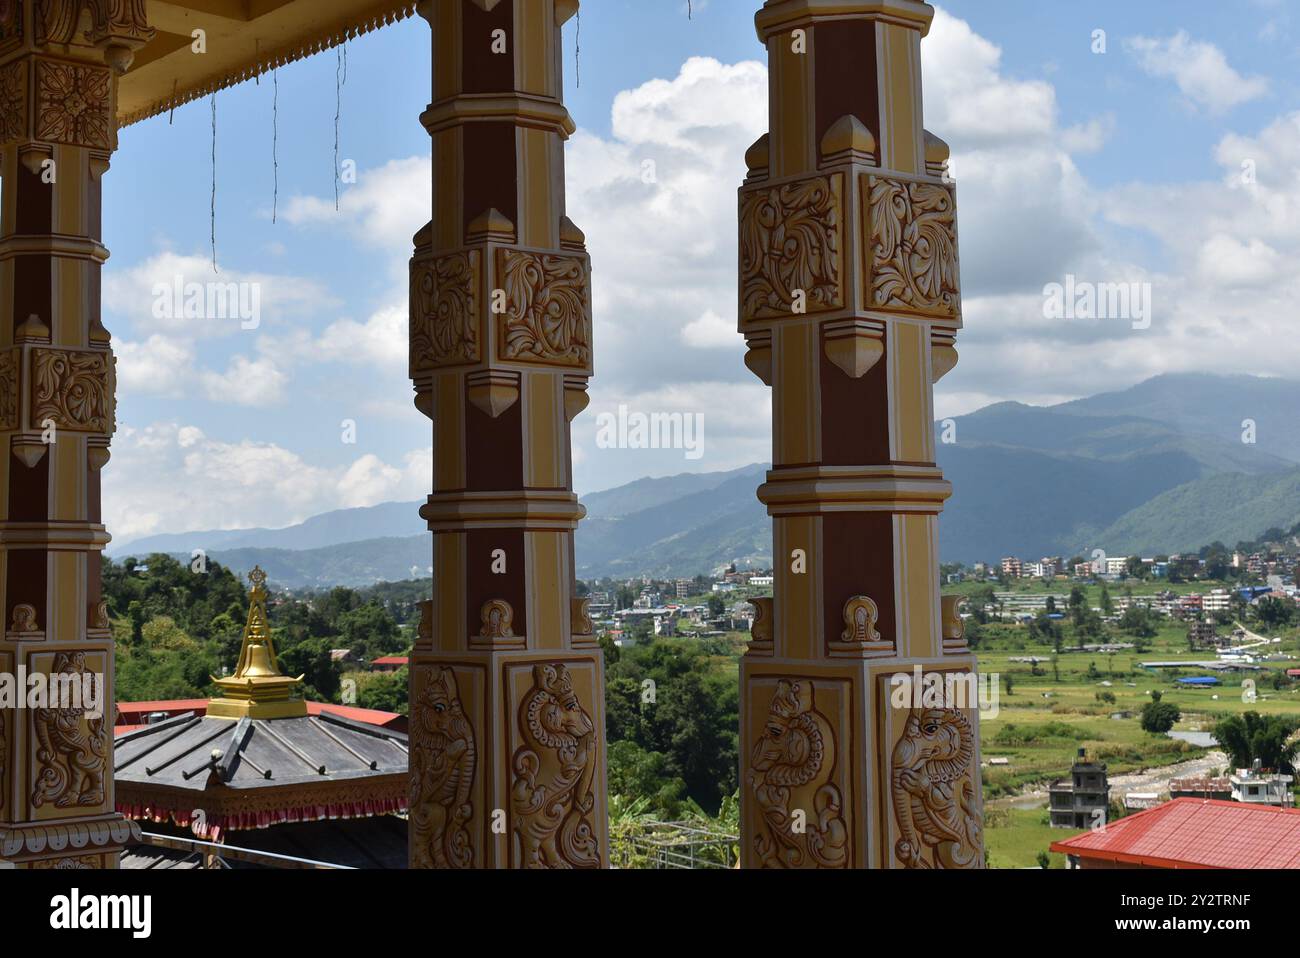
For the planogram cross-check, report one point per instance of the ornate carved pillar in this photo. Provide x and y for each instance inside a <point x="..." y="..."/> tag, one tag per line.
<point x="507" y="690"/>
<point x="59" y="63"/>
<point x="849" y="305"/>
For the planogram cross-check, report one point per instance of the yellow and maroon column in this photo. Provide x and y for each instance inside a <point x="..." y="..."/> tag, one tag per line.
<point x="59" y="64"/>
<point x="507" y="686"/>
<point x="859" y="740"/>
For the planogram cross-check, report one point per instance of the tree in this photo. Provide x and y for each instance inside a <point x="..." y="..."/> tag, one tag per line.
<point x="1159" y="717"/>
<point x="1137" y="621"/>
<point x="1251" y="736"/>
<point x="1107" y="607"/>
<point x="1274" y="613"/>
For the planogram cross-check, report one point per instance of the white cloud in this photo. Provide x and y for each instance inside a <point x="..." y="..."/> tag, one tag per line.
<point x="145" y="296"/>
<point x="385" y="208"/>
<point x="711" y="331"/>
<point x="246" y="382"/>
<point x="1199" y="68"/>
<point x="168" y="477"/>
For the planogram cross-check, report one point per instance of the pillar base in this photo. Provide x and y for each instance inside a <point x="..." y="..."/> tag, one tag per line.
<point x="507" y="763"/>
<point x="848" y="768"/>
<point x="86" y="843"/>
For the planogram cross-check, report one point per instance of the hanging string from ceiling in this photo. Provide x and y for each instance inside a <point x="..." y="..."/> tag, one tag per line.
<point x="577" y="52"/>
<point x="213" y="211"/>
<point x="275" y="144"/>
<point x="690" y="14"/>
<point x="340" y="81"/>
<point x="171" y="115"/>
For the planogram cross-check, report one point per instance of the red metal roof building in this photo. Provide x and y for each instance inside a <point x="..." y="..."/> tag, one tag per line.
<point x="1192" y="833"/>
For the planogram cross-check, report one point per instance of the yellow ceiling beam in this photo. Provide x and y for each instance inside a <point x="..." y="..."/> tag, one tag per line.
<point x="244" y="38"/>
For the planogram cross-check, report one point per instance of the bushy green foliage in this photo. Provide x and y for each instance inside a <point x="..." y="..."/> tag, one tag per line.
<point x="1159" y="717"/>
<point x="672" y="713"/>
<point x="177" y="624"/>
<point x="1251" y="736"/>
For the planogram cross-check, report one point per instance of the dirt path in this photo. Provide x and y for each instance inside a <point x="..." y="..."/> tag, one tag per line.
<point x="1149" y="780"/>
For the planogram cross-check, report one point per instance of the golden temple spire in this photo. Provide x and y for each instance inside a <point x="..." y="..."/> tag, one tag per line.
<point x="258" y="689"/>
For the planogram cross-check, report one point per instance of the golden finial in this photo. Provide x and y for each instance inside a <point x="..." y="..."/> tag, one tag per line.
<point x="258" y="688"/>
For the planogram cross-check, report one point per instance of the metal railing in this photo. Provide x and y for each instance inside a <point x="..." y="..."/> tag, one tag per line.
<point x="213" y="855"/>
<point x="672" y="845"/>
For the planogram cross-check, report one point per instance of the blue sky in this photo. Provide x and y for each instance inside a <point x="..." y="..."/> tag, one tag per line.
<point x="1123" y="166"/>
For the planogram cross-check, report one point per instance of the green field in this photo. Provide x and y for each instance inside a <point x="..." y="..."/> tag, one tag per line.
<point x="1054" y="709"/>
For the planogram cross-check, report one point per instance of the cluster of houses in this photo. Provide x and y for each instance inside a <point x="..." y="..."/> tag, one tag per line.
<point x="1114" y="568"/>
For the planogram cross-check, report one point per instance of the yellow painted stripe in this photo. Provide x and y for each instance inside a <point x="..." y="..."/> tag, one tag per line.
<point x="69" y="587"/>
<point x="910" y="392"/>
<point x="796" y="394"/>
<point x="447" y="189"/>
<point x="548" y="591"/>
<point x="541" y="224"/>
<point x="916" y="575"/>
<point x="447" y="54"/>
<point x="450" y="629"/>
<point x="449" y="433"/>
<point x="796" y="612"/>
<point x="534" y="49"/>
<point x="901" y="93"/>
<point x="793" y="149"/>
<point x="544" y="464"/>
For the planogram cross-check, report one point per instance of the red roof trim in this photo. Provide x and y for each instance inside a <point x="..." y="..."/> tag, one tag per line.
<point x="1186" y="832"/>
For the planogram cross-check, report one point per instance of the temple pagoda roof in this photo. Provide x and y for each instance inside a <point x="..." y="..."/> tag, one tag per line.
<point x="258" y="757"/>
<point x="244" y="39"/>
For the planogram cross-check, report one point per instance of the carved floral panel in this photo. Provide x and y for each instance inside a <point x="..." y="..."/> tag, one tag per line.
<point x="913" y="257"/>
<point x="9" y="361"/>
<point x="13" y="101"/>
<point x="11" y="25"/>
<point x="445" y="311"/>
<point x="74" y="389"/>
<point x="547" y="316"/>
<point x="791" y="248"/>
<point x="72" y="104"/>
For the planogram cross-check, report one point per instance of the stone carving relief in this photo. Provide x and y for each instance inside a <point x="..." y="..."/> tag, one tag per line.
<point x="913" y="247"/>
<point x="24" y="619"/>
<point x="552" y="799"/>
<point x="8" y="385"/>
<point x="443" y="761"/>
<point x="74" y="389"/>
<point x="72" y="104"/>
<point x="445" y="311"/>
<point x="932" y="788"/>
<point x="120" y="19"/>
<point x="497" y="617"/>
<point x="72" y="748"/>
<point x="548" y="308"/>
<point x="791" y="771"/>
<point x="13" y="101"/>
<point x="791" y="239"/>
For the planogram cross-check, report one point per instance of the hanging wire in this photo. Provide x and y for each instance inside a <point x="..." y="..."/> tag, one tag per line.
<point x="213" y="212"/>
<point x="275" y="144"/>
<point x="171" y="114"/>
<point x="690" y="14"/>
<point x="340" y="78"/>
<point x="577" y="51"/>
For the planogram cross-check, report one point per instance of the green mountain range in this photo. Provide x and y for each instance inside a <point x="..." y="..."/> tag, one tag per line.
<point x="1168" y="465"/>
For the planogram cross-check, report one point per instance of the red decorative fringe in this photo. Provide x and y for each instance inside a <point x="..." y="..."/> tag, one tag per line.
<point x="210" y="828"/>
